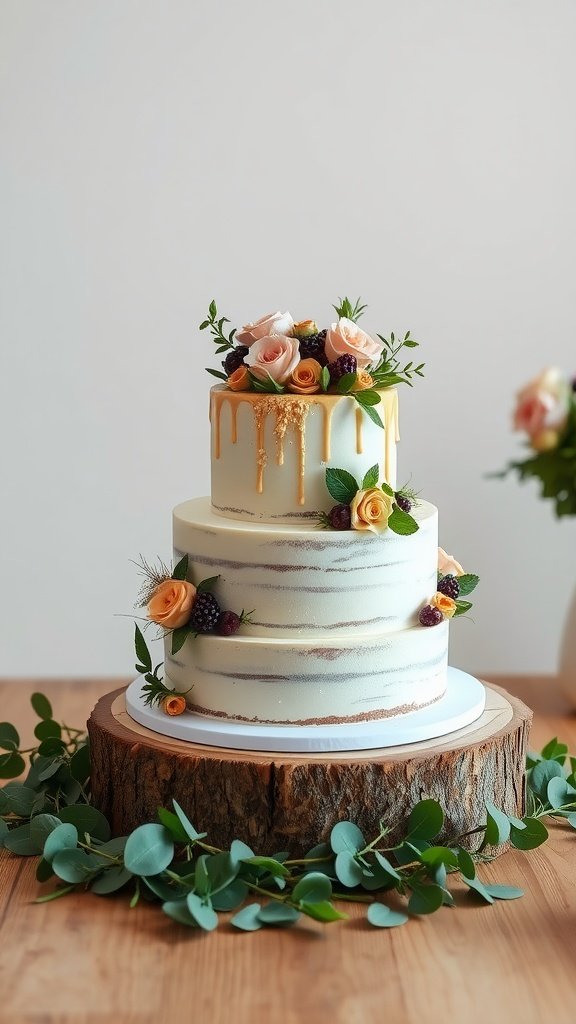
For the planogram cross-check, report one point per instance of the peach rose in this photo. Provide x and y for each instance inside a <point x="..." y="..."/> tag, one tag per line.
<point x="305" y="379"/>
<point x="371" y="510"/>
<point x="272" y="323"/>
<point x="363" y="381"/>
<point x="171" y="603"/>
<point x="545" y="440"/>
<point x="445" y="604"/>
<point x="239" y="380"/>
<point x="346" y="338"/>
<point x="274" y="355"/>
<point x="543" y="404"/>
<point x="447" y="564"/>
<point x="305" y="329"/>
<point x="174" y="705"/>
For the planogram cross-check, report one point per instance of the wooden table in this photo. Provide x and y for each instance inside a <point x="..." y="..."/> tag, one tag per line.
<point x="88" y="959"/>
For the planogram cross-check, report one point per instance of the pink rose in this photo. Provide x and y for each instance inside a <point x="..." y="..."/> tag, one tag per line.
<point x="272" y="323"/>
<point x="276" y="356"/>
<point x="543" y="404"/>
<point x="346" y="338"/>
<point x="447" y="564"/>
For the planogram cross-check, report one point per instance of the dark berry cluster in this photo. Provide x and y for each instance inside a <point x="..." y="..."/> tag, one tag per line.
<point x="341" y="366"/>
<point x="403" y="502"/>
<point x="449" y="586"/>
<point x="234" y="359"/>
<point x="339" y="517"/>
<point x="207" y="616"/>
<point x="430" y="616"/>
<point x="313" y="347"/>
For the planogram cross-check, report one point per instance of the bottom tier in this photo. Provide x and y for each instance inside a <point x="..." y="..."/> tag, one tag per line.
<point x="308" y="682"/>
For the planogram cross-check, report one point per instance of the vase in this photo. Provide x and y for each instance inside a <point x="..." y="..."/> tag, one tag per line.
<point x="567" y="667"/>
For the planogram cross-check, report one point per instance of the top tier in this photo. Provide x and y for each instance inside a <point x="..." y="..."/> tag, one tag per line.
<point x="270" y="452"/>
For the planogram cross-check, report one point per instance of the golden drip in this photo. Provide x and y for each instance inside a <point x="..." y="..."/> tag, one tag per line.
<point x="359" y="440"/>
<point x="327" y="431"/>
<point x="217" y="410"/>
<point x="260" y="413"/>
<point x="391" y="435"/>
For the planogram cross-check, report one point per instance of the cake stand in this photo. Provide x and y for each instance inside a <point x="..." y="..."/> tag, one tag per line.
<point x="277" y="798"/>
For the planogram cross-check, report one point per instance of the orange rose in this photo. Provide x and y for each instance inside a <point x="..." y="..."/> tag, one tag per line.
<point x="371" y="510"/>
<point x="445" y="604"/>
<point x="239" y="380"/>
<point x="363" y="381"/>
<point x="305" y="378"/>
<point x="171" y="603"/>
<point x="174" y="705"/>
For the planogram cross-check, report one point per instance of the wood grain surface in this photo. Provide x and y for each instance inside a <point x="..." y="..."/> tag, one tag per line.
<point x="89" y="960"/>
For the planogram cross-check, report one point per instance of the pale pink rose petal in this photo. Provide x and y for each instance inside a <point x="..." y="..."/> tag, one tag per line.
<point x="275" y="356"/>
<point x="270" y="324"/>
<point x="447" y="564"/>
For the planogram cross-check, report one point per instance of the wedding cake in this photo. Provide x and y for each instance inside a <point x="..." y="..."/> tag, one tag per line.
<point x="334" y="567"/>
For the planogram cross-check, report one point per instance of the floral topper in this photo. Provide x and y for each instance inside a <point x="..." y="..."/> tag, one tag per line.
<point x="453" y="584"/>
<point x="368" y="506"/>
<point x="275" y="355"/>
<point x="546" y="412"/>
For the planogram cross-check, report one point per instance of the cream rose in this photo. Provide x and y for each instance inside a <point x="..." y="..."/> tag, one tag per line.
<point x="272" y="323"/>
<point x="444" y="604"/>
<point x="543" y="404"/>
<point x="305" y="379"/>
<point x="171" y="603"/>
<point x="346" y="338"/>
<point x="363" y="381"/>
<point x="447" y="564"/>
<point x="276" y="356"/>
<point x="371" y="510"/>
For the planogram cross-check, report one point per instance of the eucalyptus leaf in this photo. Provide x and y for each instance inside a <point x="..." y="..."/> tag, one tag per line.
<point x="41" y="705"/>
<point x="475" y="885"/>
<point x="19" y="841"/>
<point x="111" y="880"/>
<point x="172" y="822"/>
<point x="47" y="729"/>
<point x="4" y="830"/>
<point x="187" y="825"/>
<point x="149" y="850"/>
<point x="348" y="871"/>
<point x="381" y="916"/>
<point x="12" y="766"/>
<point x="425" y="820"/>
<point x="9" y="738"/>
<point x="20" y="798"/>
<point x="571" y="819"/>
<point x="425" y="899"/>
<point x="273" y="867"/>
<point x="436" y="855"/>
<point x="164" y="888"/>
<point x="559" y="793"/>
<point x="278" y="914"/>
<point x="497" y="825"/>
<point x="205" y="917"/>
<point x="466" y="864"/>
<point x="87" y="819"/>
<point x="540" y="776"/>
<point x="64" y="837"/>
<point x="178" y="911"/>
<point x="387" y="866"/>
<point x="504" y="892"/>
<point x="346" y="836"/>
<point x="43" y="870"/>
<point x="201" y="877"/>
<point x="247" y="919"/>
<point x="80" y="763"/>
<point x="74" y="865"/>
<point x="41" y="826"/>
<point x="314" y="887"/>
<point x="533" y="835"/>
<point x="240" y="851"/>
<point x="230" y="897"/>
<point x="222" y="870"/>
<point x="323" y="911"/>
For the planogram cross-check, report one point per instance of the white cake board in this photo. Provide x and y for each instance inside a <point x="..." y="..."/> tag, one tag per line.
<point x="463" y="703"/>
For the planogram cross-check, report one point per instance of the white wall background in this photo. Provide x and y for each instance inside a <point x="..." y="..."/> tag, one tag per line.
<point x="157" y="153"/>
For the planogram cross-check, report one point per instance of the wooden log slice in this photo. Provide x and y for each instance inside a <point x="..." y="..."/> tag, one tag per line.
<point x="291" y="801"/>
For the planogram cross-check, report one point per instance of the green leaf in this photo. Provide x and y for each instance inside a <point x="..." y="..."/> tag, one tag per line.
<point x="80" y="763"/>
<point x="74" y="865"/>
<point x="466" y="864"/>
<point x="9" y="738"/>
<point x="212" y="311"/>
<point x="55" y="894"/>
<point x="179" y="637"/>
<point x="346" y="836"/>
<point x="497" y="825"/>
<point x="201" y="879"/>
<point x="113" y="879"/>
<point x="42" y="826"/>
<point x="462" y="607"/>
<point x="554" y="750"/>
<point x="187" y="825"/>
<point x="222" y="871"/>
<point x="20" y="842"/>
<point x="86" y="819"/>
<point x="180" y="570"/>
<point x="411" y="851"/>
<point x="178" y="911"/>
<point x="52" y="747"/>
<point x="269" y="864"/>
<point x="173" y="824"/>
<point x="348" y="871"/>
<point x="142" y="652"/>
<point x="12" y="766"/>
<point x="386" y="866"/>
<point x="43" y="870"/>
<point x="559" y="792"/>
<point x="47" y="729"/>
<point x="479" y="888"/>
<point x="402" y="522"/>
<point x="540" y="776"/>
<point x="426" y="820"/>
<point x="206" y="586"/>
<point x="204" y="325"/>
<point x="230" y="897"/>
<point x="370" y="411"/>
<point x="346" y="383"/>
<point x="247" y="919"/>
<point x="530" y="837"/>
<point x="571" y="819"/>
<point x="278" y="914"/>
<point x="20" y="798"/>
<point x="324" y="384"/>
<point x="41" y="705"/>
<point x="322" y="911"/>
<point x="4" y="830"/>
<point x="341" y="485"/>
<point x="371" y="477"/>
<point x="408" y="343"/>
<point x="425" y="899"/>
<point x="314" y="887"/>
<point x="64" y="837"/>
<point x="436" y="855"/>
<point x="504" y="892"/>
<point x="381" y="916"/>
<point x="239" y="851"/>
<point x="467" y="583"/>
<point x="216" y="373"/>
<point x="205" y="917"/>
<point x="149" y="850"/>
<point x="367" y="398"/>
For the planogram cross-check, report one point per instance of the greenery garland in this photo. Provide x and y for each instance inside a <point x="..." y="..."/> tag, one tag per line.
<point x="50" y="816"/>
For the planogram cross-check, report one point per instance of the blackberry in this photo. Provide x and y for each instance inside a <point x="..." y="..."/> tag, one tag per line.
<point x="228" y="623"/>
<point x="448" y="586"/>
<point x="403" y="502"/>
<point x="313" y="348"/>
<point x="235" y="358"/>
<point x="430" y="616"/>
<point x="205" y="613"/>
<point x="342" y="365"/>
<point x="339" y="517"/>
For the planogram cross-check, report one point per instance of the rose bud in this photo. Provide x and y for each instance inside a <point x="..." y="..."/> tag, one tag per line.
<point x="305" y="329"/>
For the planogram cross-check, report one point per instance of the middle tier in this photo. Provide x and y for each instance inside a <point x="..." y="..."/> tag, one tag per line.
<point x="304" y="581"/>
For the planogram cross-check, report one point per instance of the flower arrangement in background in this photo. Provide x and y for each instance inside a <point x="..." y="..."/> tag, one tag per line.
<point x="546" y="413"/>
<point x="275" y="355"/>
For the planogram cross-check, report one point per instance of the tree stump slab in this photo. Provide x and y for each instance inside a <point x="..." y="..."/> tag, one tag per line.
<point x="291" y="802"/>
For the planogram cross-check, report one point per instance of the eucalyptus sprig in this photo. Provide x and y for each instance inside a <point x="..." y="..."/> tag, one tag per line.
<point x="169" y="862"/>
